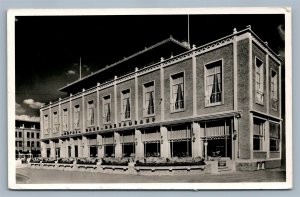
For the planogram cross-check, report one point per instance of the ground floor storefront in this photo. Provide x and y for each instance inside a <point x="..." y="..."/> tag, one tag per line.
<point x="220" y="139"/>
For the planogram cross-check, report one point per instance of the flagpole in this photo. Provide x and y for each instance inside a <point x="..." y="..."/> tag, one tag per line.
<point x="79" y="67"/>
<point x="189" y="29"/>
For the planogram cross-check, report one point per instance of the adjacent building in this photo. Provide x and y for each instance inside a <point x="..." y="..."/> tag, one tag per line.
<point x="27" y="138"/>
<point x="219" y="100"/>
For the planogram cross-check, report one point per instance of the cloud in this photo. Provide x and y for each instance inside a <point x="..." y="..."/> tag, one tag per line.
<point x="281" y="32"/>
<point x="33" y="104"/>
<point x="28" y="118"/>
<point x="71" y="72"/>
<point x="19" y="109"/>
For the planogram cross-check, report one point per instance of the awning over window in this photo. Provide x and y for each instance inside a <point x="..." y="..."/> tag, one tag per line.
<point x="179" y="132"/>
<point x="108" y="139"/>
<point x="150" y="136"/>
<point x="127" y="138"/>
<point x="93" y="142"/>
<point x="216" y="129"/>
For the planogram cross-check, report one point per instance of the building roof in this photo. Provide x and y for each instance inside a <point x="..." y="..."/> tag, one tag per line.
<point x="143" y="58"/>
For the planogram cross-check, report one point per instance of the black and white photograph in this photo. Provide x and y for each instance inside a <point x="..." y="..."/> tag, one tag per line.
<point x="149" y="98"/>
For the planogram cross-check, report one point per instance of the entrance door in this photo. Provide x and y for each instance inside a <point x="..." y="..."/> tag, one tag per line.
<point x="76" y="150"/>
<point x="69" y="151"/>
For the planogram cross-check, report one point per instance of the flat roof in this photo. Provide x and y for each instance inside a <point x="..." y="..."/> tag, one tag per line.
<point x="169" y="42"/>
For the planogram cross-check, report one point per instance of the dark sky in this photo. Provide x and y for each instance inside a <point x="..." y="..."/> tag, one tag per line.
<point x="48" y="47"/>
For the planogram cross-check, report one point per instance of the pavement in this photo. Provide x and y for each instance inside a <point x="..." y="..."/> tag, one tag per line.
<point x="44" y="176"/>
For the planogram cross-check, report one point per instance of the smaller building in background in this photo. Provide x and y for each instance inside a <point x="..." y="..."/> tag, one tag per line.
<point x="27" y="138"/>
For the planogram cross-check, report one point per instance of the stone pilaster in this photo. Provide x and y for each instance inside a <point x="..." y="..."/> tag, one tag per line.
<point x="85" y="151"/>
<point x="118" y="146"/>
<point x="139" y="148"/>
<point x="52" y="149"/>
<point x="43" y="149"/>
<point x="164" y="145"/>
<point x="197" y="146"/>
<point x="100" y="146"/>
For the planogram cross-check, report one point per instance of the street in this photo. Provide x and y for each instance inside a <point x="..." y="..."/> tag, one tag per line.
<point x="41" y="176"/>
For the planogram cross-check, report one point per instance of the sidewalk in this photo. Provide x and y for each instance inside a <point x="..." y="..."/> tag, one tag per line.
<point x="41" y="176"/>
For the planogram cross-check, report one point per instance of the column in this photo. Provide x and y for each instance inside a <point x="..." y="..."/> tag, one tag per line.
<point x="52" y="149"/>
<point x="85" y="147"/>
<point x="43" y="149"/>
<point x="100" y="146"/>
<point x="118" y="146"/>
<point x="267" y="96"/>
<point x="194" y="83"/>
<point x="266" y="140"/>
<point x="42" y="125"/>
<point x="62" y="148"/>
<point x="83" y="111"/>
<point x="136" y="90"/>
<point x="80" y="148"/>
<point x="98" y="106"/>
<point x="162" y="92"/>
<point x="70" y="115"/>
<point x="115" y="101"/>
<point x="196" y="140"/>
<point x="165" y="144"/>
<point x="235" y="139"/>
<point x="235" y="72"/>
<point x="72" y="147"/>
<point x="139" y="148"/>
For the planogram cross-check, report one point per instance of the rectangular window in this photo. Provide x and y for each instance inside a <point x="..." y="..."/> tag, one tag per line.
<point x="65" y="119"/>
<point x="20" y="134"/>
<point x="274" y="137"/>
<point x="259" y="81"/>
<point x="28" y="135"/>
<point x="177" y="92"/>
<point x="258" y="133"/>
<point x="274" y="90"/>
<point x="28" y="144"/>
<point x="213" y="83"/>
<point x="126" y="104"/>
<point x="149" y="99"/>
<point x="46" y="124"/>
<point x="76" y="117"/>
<point x="55" y="122"/>
<point x="32" y="144"/>
<point x="106" y="109"/>
<point x="16" y="133"/>
<point x="90" y="113"/>
<point x="38" y="144"/>
<point x="38" y="136"/>
<point x="20" y="144"/>
<point x="32" y="135"/>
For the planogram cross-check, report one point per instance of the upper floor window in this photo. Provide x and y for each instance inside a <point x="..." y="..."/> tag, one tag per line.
<point x="258" y="133"/>
<point x="125" y="97"/>
<point x="91" y="113"/>
<point x="149" y="98"/>
<point x="76" y="117"/>
<point x="106" y="109"/>
<point x="38" y="144"/>
<point x="65" y="120"/>
<point x="32" y="134"/>
<point x="37" y="135"/>
<point x="274" y="90"/>
<point x="20" y="134"/>
<point x="177" y="92"/>
<point x="55" y="122"/>
<point x="28" y="134"/>
<point x="46" y="124"/>
<point x="28" y="143"/>
<point x="213" y="83"/>
<point x="259" y="81"/>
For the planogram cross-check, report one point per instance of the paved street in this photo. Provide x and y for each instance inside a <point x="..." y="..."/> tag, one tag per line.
<point x="28" y="175"/>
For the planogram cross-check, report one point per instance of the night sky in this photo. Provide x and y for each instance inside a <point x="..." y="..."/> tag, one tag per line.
<point x="48" y="48"/>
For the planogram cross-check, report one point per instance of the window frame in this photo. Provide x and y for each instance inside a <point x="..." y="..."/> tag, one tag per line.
<point x="272" y="138"/>
<point x="90" y="105"/>
<point x="46" y="126"/>
<point x="208" y="104"/>
<point x="260" y="137"/>
<point x="259" y="91"/>
<point x="103" y="107"/>
<point x="76" y="109"/>
<point x="55" y="124"/>
<point x="65" y="122"/>
<point x="145" y="114"/>
<point x="122" y="108"/>
<point x="172" y="103"/>
<point x="274" y="99"/>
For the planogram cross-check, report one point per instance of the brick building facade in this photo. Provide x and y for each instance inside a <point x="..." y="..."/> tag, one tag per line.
<point x="220" y="100"/>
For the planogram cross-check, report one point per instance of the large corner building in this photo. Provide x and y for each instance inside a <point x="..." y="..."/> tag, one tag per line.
<point x="219" y="100"/>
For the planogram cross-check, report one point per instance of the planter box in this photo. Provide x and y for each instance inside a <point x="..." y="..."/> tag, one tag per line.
<point x="169" y="170"/>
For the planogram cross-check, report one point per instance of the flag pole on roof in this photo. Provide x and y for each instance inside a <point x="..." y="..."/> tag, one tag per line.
<point x="188" y="29"/>
<point x="79" y="67"/>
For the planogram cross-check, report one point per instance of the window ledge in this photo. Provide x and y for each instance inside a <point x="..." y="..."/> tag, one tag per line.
<point x="214" y="104"/>
<point x="177" y="111"/>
